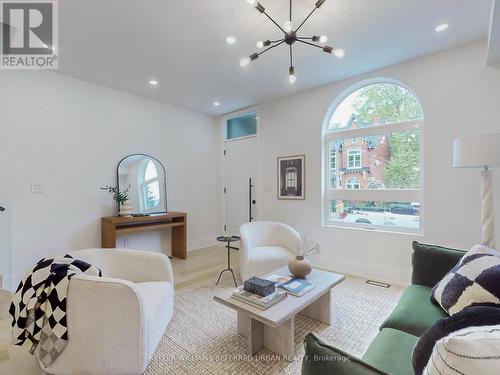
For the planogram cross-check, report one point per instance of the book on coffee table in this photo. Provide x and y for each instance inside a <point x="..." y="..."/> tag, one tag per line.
<point x="279" y="280"/>
<point x="260" y="302"/>
<point x="297" y="287"/>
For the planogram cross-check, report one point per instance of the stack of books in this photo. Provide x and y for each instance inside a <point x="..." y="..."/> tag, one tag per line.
<point x="255" y="300"/>
<point x="288" y="285"/>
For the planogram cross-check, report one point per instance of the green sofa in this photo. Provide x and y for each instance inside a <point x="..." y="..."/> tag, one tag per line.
<point x="391" y="350"/>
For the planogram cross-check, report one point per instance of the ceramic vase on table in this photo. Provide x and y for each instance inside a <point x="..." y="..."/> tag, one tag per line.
<point x="300" y="267"/>
<point x="126" y="209"/>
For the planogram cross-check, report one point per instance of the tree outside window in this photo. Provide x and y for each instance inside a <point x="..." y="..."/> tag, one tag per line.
<point x="377" y="132"/>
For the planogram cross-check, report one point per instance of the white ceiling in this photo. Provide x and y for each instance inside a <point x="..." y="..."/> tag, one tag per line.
<point x="124" y="43"/>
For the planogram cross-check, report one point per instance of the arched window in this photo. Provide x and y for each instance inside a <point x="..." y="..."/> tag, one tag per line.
<point x="150" y="187"/>
<point x="353" y="183"/>
<point x="372" y="159"/>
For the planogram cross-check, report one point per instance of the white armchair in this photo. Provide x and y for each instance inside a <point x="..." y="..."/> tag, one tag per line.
<point x="116" y="322"/>
<point x="266" y="246"/>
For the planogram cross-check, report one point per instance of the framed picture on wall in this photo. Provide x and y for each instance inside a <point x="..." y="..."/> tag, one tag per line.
<point x="291" y="177"/>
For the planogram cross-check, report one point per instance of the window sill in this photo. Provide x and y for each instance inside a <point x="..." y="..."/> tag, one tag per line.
<point x="418" y="233"/>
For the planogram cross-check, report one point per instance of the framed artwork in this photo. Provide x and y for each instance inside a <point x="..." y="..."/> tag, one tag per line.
<point x="291" y="177"/>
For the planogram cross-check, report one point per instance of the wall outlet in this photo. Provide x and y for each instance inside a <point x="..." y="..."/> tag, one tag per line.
<point x="36" y="188"/>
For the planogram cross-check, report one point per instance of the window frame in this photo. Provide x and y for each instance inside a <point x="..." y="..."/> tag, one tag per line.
<point x="358" y="182"/>
<point x="145" y="183"/>
<point x="332" y="171"/>
<point x="358" y="152"/>
<point x="386" y="195"/>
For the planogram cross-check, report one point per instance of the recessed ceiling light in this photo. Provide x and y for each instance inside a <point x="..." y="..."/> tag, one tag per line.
<point x="442" y="27"/>
<point x="230" y="40"/>
<point x="153" y="82"/>
<point x="339" y="52"/>
<point x="244" y="62"/>
<point x="216" y="104"/>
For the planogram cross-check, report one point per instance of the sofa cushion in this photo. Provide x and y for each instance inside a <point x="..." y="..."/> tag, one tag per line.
<point x="391" y="351"/>
<point x="415" y="312"/>
<point x="471" y="316"/>
<point x="473" y="281"/>
<point x="430" y="263"/>
<point x="321" y="358"/>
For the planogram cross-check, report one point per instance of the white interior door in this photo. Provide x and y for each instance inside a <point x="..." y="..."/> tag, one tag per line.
<point x="5" y="261"/>
<point x="241" y="166"/>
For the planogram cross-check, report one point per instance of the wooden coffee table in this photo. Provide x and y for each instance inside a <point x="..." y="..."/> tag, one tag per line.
<point x="274" y="328"/>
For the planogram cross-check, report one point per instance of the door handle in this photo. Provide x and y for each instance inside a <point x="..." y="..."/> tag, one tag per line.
<point x="2" y="209"/>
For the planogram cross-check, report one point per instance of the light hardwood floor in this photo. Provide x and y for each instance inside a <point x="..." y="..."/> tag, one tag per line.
<point x="200" y="265"/>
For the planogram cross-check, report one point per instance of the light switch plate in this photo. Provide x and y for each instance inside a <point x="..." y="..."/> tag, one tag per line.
<point x="36" y="188"/>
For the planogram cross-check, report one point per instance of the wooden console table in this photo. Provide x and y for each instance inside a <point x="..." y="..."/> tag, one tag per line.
<point x="177" y="221"/>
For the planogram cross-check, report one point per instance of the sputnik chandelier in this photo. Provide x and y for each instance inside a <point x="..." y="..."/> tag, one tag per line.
<point x="290" y="37"/>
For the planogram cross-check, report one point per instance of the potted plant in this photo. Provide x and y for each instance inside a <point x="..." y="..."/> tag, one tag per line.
<point x="120" y="197"/>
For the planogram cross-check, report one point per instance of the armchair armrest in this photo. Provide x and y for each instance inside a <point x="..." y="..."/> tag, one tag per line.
<point x="323" y="359"/>
<point x="431" y="263"/>
<point x="105" y="320"/>
<point x="133" y="265"/>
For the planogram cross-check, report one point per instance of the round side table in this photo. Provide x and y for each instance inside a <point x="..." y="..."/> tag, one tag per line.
<point x="228" y="241"/>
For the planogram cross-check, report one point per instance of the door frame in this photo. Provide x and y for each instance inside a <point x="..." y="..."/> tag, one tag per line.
<point x="7" y="279"/>
<point x="224" y="119"/>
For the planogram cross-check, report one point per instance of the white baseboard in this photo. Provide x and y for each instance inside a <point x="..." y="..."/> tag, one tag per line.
<point x="366" y="271"/>
<point x="202" y="243"/>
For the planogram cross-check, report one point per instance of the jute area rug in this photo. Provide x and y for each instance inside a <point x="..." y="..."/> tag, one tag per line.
<point x="202" y="337"/>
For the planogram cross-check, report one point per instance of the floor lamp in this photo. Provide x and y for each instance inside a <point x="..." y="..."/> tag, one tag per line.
<point x="482" y="151"/>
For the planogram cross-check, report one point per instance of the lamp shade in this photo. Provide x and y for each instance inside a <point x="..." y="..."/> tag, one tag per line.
<point x="477" y="151"/>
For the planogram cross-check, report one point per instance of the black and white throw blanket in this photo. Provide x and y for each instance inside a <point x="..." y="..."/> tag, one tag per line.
<point x="38" y="307"/>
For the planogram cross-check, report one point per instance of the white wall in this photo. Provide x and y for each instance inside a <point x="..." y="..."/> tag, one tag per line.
<point x="69" y="135"/>
<point x="460" y="95"/>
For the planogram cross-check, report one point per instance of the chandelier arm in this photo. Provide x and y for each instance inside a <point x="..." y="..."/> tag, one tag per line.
<point x="273" y="21"/>
<point x="290" y="10"/>
<point x="277" y="40"/>
<point x="268" y="48"/>
<point x="311" y="44"/>
<point x="291" y="56"/>
<point x="305" y="37"/>
<point x="303" y="22"/>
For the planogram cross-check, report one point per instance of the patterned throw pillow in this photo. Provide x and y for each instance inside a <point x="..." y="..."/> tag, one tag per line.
<point x="470" y="317"/>
<point x="472" y="350"/>
<point x="475" y="280"/>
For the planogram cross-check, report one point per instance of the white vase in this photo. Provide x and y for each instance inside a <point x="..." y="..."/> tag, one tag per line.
<point x="126" y="209"/>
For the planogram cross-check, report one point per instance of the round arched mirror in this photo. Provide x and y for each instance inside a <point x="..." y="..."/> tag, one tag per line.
<point x="144" y="178"/>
